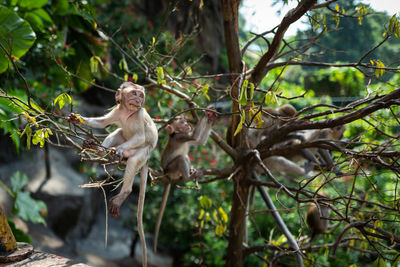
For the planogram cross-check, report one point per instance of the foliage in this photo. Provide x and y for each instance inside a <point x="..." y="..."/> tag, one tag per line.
<point x="82" y="44"/>
<point x="25" y="206"/>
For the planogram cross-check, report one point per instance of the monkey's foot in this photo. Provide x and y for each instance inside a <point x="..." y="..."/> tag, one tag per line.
<point x="115" y="204"/>
<point x="194" y="174"/>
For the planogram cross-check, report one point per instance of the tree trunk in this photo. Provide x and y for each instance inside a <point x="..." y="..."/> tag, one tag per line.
<point x="237" y="224"/>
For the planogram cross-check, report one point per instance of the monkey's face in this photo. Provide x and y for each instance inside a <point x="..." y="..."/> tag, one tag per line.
<point x="180" y="125"/>
<point x="132" y="98"/>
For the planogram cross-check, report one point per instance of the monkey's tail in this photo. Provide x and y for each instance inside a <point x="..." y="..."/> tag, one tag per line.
<point x="160" y="214"/>
<point x="143" y="183"/>
<point x="313" y="236"/>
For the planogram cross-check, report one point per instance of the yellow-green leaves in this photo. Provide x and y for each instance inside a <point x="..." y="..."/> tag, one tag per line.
<point x="270" y="98"/>
<point x="251" y="91"/>
<point x="240" y="125"/>
<point x="362" y="11"/>
<point x="28" y="132"/>
<point x="160" y="76"/>
<point x="123" y="65"/>
<point x="30" y="118"/>
<point x="205" y="201"/>
<point x="40" y="136"/>
<point x="243" y="93"/>
<point x="62" y="99"/>
<point x="394" y="27"/>
<point x="380" y="67"/>
<point x="205" y="91"/>
<point x="94" y="64"/>
<point x="219" y="216"/>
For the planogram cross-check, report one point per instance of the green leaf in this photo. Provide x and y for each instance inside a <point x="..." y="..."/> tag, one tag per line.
<point x="62" y="99"/>
<point x="18" y="181"/>
<point x="240" y="125"/>
<point x="28" y="132"/>
<point x="94" y="65"/>
<point x="205" y="91"/>
<point x="19" y="235"/>
<point x="160" y="76"/>
<point x="251" y="91"/>
<point x="205" y="201"/>
<point x="135" y="77"/>
<point x="123" y="65"/>
<point x="40" y="136"/>
<point x="270" y="98"/>
<point x="16" y="32"/>
<point x="28" y="208"/>
<point x="243" y="93"/>
<point x="32" y="4"/>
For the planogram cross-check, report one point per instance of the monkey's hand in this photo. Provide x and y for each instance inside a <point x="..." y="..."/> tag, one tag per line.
<point x="211" y="114"/>
<point x="75" y="119"/>
<point x="115" y="154"/>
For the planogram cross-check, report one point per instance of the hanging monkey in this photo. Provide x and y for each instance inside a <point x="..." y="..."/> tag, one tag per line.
<point x="174" y="159"/>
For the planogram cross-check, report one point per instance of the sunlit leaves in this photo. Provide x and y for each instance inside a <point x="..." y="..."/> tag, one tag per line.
<point x="219" y="216"/>
<point x="205" y="202"/>
<point x="240" y="125"/>
<point x="270" y="98"/>
<point x="362" y="11"/>
<point x="243" y="93"/>
<point x="205" y="91"/>
<point x="94" y="64"/>
<point x="28" y="132"/>
<point x="40" y="136"/>
<point x="380" y="67"/>
<point x="62" y="99"/>
<point x="160" y="76"/>
<point x="394" y="27"/>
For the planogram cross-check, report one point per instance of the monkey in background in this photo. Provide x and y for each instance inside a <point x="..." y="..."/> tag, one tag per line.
<point x="327" y="134"/>
<point x="272" y="119"/>
<point x="174" y="158"/>
<point x="315" y="217"/>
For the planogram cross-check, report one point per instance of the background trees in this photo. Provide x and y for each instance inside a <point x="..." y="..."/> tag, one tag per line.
<point x="337" y="72"/>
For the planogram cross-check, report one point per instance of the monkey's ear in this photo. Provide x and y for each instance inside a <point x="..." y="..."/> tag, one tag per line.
<point x="118" y="95"/>
<point x="169" y="129"/>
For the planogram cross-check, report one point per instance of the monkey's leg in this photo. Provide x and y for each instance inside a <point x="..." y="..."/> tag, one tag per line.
<point x="327" y="158"/>
<point x="133" y="165"/>
<point x="113" y="139"/>
<point x="142" y="192"/>
<point x="182" y="164"/>
<point x="283" y="165"/>
<point x="160" y="214"/>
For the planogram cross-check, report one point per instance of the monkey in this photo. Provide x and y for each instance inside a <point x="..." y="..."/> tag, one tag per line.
<point x="174" y="158"/>
<point x="332" y="134"/>
<point x="315" y="217"/>
<point x="272" y="119"/>
<point x="134" y="140"/>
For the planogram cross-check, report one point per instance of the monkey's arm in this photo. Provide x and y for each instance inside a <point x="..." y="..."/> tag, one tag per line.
<point x="103" y="121"/>
<point x="202" y="131"/>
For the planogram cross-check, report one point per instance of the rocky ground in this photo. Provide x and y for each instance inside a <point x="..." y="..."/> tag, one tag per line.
<point x="76" y="219"/>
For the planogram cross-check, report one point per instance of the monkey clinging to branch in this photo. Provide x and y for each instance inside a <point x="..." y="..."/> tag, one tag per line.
<point x="135" y="139"/>
<point x="174" y="159"/>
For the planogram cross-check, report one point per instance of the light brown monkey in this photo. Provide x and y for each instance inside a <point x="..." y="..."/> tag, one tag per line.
<point x="310" y="154"/>
<point x="135" y="139"/>
<point x="315" y="217"/>
<point x="174" y="159"/>
<point x="272" y="119"/>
